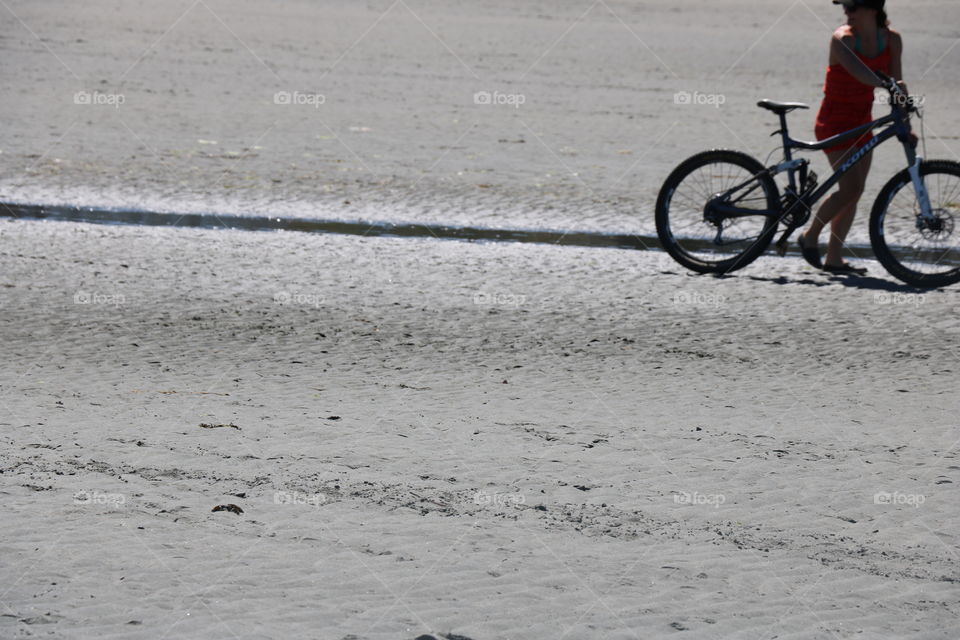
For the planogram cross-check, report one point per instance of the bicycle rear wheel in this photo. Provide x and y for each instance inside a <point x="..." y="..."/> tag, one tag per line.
<point x="722" y="244"/>
<point x="922" y="253"/>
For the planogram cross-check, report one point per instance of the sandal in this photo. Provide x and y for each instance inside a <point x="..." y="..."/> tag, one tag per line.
<point x="810" y="254"/>
<point x="845" y="268"/>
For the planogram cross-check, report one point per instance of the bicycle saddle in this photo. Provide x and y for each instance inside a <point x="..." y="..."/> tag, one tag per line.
<point x="781" y="107"/>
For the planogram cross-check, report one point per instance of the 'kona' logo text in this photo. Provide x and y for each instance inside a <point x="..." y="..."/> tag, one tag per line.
<point x="859" y="154"/>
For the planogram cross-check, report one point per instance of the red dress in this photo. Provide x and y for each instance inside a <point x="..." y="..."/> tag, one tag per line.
<point x="847" y="102"/>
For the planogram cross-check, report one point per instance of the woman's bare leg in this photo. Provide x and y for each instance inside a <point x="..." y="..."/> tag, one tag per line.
<point x="832" y="206"/>
<point x="840" y="207"/>
<point x="841" y="223"/>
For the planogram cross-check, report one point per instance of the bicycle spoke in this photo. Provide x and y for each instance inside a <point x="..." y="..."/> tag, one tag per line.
<point x="697" y="236"/>
<point x="932" y="247"/>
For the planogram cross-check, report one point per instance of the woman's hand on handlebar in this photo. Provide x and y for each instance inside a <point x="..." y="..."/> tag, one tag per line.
<point x="886" y="81"/>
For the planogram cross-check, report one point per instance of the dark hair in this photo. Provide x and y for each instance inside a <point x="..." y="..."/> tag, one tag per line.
<point x="882" y="20"/>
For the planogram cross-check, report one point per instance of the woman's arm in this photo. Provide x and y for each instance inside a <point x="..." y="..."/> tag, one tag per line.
<point x="896" y="69"/>
<point x="896" y="60"/>
<point x="896" y="52"/>
<point x="841" y="50"/>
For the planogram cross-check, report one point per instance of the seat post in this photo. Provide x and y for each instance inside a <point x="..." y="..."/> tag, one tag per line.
<point x="787" y="152"/>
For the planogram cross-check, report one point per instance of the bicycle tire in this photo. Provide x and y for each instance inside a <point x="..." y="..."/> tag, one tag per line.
<point x="682" y="249"/>
<point x="901" y="246"/>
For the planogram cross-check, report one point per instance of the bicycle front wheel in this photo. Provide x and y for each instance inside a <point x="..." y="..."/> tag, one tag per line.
<point x="716" y="244"/>
<point x="923" y="252"/>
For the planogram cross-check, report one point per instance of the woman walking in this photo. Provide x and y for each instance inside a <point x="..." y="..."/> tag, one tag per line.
<point x="858" y="49"/>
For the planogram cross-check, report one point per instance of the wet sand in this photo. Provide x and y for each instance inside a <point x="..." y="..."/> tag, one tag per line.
<point x="221" y="104"/>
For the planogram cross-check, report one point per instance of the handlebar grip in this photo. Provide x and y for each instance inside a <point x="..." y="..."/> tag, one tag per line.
<point x="899" y="97"/>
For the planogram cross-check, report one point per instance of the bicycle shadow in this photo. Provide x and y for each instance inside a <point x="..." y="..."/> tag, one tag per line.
<point x="865" y="283"/>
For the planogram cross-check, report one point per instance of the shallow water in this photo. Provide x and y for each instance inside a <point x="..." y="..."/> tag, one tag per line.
<point x="119" y="216"/>
<point x="313" y="225"/>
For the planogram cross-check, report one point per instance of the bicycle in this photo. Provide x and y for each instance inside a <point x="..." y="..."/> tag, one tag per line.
<point x="719" y="210"/>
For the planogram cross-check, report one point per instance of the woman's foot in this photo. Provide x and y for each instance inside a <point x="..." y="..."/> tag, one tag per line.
<point x="811" y="254"/>
<point x="845" y="268"/>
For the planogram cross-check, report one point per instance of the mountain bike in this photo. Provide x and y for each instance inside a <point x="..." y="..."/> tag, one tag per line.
<point x="719" y="210"/>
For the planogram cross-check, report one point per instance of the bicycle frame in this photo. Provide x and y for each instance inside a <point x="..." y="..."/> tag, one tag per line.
<point x="898" y="121"/>
<point x="898" y="127"/>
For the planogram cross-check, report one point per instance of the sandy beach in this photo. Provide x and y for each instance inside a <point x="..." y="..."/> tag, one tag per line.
<point x="371" y="110"/>
<point x="497" y="441"/>
<point x="233" y="434"/>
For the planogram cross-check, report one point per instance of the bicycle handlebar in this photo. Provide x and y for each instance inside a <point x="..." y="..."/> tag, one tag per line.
<point x="898" y="97"/>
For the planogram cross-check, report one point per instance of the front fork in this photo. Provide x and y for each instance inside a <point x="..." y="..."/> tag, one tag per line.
<point x="920" y="189"/>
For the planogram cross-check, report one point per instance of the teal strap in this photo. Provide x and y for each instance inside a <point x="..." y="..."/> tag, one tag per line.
<point x="880" y="41"/>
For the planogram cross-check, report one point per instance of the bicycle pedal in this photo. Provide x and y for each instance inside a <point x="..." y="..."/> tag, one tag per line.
<point x="781" y="247"/>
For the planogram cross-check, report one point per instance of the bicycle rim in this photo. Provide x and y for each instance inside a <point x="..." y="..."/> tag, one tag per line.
<point x="923" y="252"/>
<point x="721" y="243"/>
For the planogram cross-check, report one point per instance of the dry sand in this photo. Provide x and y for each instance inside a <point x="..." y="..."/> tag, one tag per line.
<point x="495" y="441"/>
<point x="518" y="431"/>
